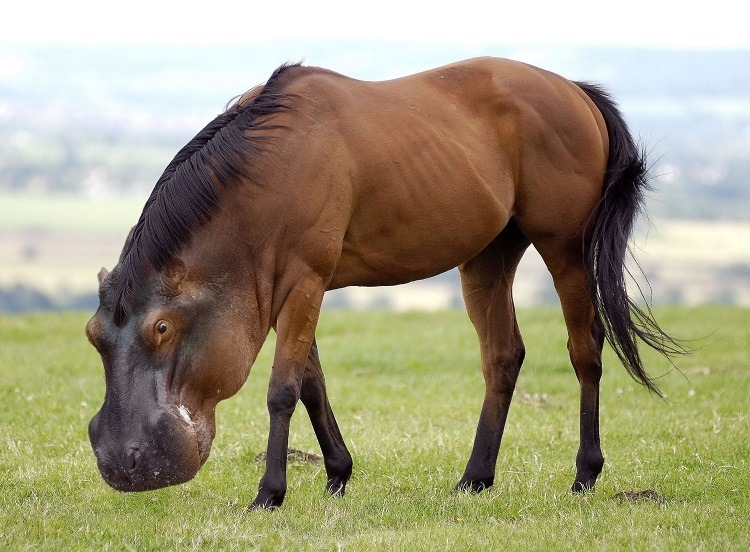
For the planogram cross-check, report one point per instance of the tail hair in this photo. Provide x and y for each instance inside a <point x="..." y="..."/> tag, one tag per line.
<point x="624" y="320"/>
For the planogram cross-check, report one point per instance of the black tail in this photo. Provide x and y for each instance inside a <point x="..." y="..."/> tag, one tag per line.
<point x="624" y="321"/>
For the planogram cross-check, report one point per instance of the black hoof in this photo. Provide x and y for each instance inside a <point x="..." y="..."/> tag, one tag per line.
<point x="336" y="487"/>
<point x="582" y="487"/>
<point x="339" y="471"/>
<point x="266" y="501"/>
<point x="473" y="486"/>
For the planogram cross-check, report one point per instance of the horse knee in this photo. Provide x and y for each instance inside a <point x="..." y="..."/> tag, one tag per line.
<point x="520" y="353"/>
<point x="282" y="398"/>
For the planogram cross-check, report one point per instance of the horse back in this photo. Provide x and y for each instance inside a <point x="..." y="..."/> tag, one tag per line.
<point x="427" y="169"/>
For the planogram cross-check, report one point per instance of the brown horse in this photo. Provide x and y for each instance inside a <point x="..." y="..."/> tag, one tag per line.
<point x="316" y="181"/>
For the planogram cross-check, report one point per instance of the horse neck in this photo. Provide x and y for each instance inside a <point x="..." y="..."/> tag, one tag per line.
<point x="221" y="259"/>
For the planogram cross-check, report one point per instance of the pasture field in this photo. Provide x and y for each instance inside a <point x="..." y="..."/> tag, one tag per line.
<point x="407" y="389"/>
<point x="56" y="243"/>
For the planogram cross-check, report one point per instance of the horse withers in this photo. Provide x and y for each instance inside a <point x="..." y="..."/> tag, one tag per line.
<point x="315" y="181"/>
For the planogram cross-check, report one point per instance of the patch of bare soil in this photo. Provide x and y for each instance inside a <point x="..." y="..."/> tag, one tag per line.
<point x="632" y="496"/>
<point x="294" y="455"/>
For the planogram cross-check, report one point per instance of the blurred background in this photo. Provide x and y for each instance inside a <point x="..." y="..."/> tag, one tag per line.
<point x="96" y="99"/>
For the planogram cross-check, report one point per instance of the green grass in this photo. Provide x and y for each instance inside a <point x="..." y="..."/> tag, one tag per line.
<point x="407" y="390"/>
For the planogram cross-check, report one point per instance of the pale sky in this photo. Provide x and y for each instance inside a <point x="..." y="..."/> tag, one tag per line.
<point x="715" y="24"/>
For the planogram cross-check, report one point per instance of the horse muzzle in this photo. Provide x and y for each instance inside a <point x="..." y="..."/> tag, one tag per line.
<point x="148" y="457"/>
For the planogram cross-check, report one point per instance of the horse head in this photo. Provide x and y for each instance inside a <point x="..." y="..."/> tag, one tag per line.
<point x="167" y="364"/>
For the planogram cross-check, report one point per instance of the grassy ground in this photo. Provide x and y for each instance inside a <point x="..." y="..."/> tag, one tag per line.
<point x="406" y="389"/>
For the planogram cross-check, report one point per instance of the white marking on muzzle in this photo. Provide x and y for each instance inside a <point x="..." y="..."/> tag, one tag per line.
<point x="185" y="413"/>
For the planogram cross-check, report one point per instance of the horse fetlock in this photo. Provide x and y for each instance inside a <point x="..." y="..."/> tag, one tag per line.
<point x="590" y="461"/>
<point x="339" y="470"/>
<point x="339" y="463"/>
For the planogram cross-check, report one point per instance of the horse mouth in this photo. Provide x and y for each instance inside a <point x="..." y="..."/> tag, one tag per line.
<point x="198" y="430"/>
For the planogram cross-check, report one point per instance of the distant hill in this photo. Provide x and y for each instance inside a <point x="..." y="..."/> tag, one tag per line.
<point x="98" y="120"/>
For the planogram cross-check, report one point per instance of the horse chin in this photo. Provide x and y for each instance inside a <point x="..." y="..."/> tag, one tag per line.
<point x="155" y="473"/>
<point x="140" y="483"/>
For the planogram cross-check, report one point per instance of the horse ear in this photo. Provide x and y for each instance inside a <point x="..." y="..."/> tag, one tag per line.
<point x="173" y="276"/>
<point x="103" y="275"/>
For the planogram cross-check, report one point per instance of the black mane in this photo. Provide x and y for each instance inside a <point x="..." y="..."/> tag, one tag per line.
<point x="186" y="196"/>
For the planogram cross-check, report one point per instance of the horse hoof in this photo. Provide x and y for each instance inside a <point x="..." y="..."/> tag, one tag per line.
<point x="473" y="486"/>
<point x="266" y="501"/>
<point x="336" y="487"/>
<point x="582" y="487"/>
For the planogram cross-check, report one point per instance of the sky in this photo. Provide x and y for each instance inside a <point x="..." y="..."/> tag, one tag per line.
<point x="648" y="23"/>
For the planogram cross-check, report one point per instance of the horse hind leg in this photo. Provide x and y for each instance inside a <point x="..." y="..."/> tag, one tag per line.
<point x="487" y="282"/>
<point x="565" y="262"/>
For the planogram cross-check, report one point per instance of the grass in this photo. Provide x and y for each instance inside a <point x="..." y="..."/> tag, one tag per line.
<point x="406" y="389"/>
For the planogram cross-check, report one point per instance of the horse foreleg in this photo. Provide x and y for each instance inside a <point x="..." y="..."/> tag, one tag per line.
<point x="338" y="461"/>
<point x="295" y="331"/>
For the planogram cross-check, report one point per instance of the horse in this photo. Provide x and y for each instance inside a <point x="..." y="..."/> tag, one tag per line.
<point x="315" y="181"/>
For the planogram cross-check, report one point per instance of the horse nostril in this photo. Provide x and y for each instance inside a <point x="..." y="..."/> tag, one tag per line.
<point x="132" y="454"/>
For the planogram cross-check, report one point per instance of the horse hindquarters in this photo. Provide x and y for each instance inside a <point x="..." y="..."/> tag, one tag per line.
<point x="587" y="263"/>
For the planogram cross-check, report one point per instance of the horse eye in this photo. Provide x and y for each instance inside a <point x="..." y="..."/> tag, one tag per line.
<point x="162" y="327"/>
